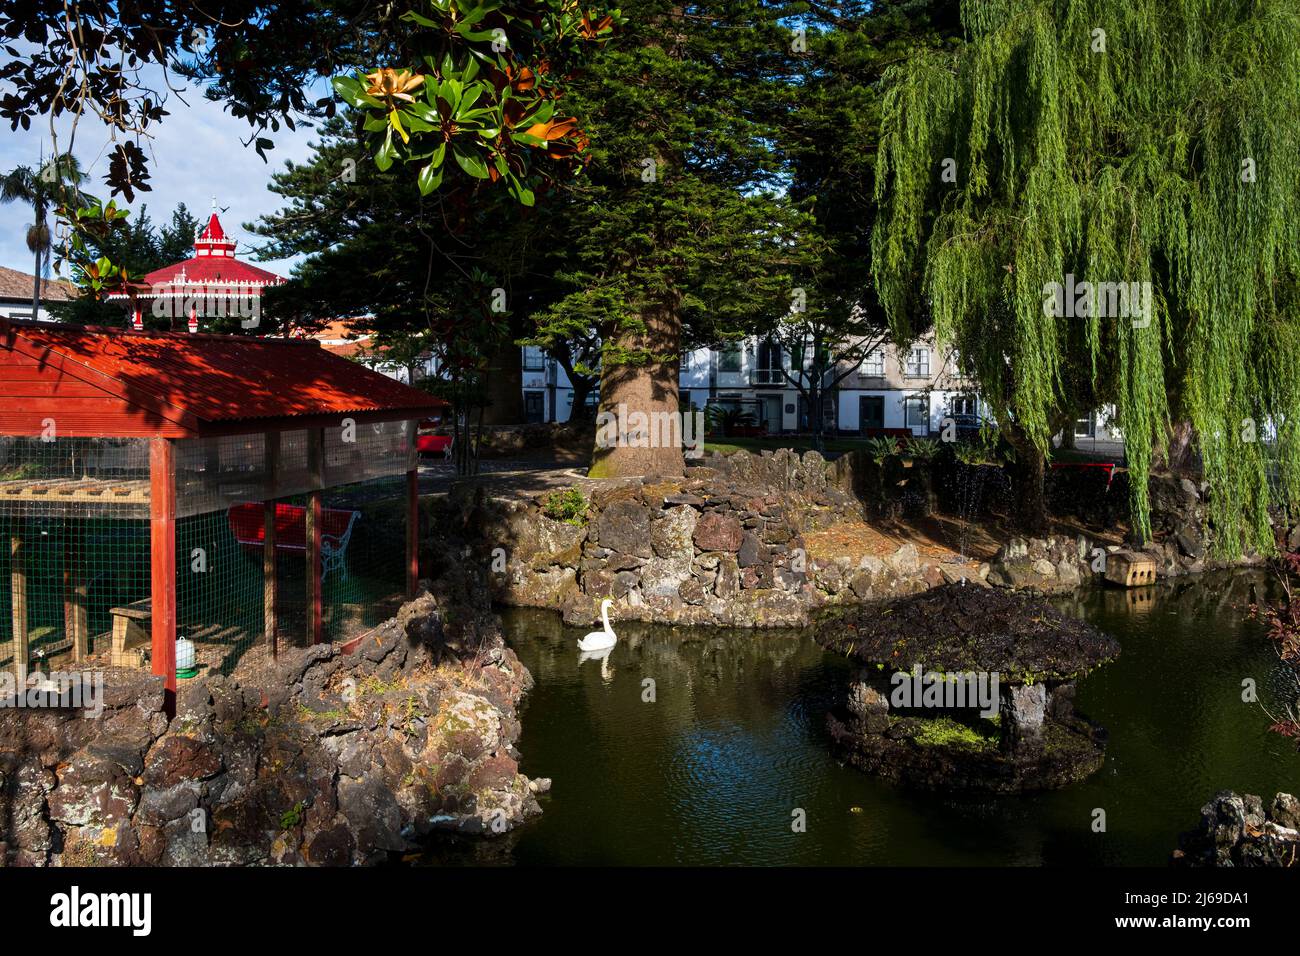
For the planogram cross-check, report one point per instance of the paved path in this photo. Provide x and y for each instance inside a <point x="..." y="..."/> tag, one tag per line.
<point x="504" y="477"/>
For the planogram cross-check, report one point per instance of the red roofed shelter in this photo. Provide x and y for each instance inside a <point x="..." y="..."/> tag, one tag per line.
<point x="210" y="284"/>
<point x="161" y="427"/>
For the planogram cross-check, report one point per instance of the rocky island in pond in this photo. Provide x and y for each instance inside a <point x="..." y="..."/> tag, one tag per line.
<point x="967" y="688"/>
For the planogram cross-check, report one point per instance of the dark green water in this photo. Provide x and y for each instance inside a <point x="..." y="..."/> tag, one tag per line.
<point x="710" y="772"/>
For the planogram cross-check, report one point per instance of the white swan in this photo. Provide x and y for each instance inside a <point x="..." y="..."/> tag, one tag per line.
<point x="597" y="640"/>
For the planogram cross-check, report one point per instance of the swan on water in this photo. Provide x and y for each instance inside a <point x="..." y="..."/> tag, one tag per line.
<point x="599" y="639"/>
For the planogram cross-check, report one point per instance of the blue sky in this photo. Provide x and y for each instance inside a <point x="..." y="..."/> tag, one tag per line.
<point x="196" y="153"/>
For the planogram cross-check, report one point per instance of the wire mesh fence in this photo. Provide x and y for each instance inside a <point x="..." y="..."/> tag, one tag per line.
<point x="75" y="544"/>
<point x="363" y="584"/>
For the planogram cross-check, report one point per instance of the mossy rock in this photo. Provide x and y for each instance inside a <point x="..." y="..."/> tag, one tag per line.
<point x="954" y="628"/>
<point x="939" y="753"/>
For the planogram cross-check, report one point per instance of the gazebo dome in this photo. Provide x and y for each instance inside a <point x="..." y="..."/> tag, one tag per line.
<point x="211" y="283"/>
<point x="212" y="241"/>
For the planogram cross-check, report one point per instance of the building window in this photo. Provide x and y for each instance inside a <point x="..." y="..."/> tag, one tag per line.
<point x="918" y="363"/>
<point x="686" y="361"/>
<point x="729" y="359"/>
<point x="963" y="405"/>
<point x="1086" y="427"/>
<point x="534" y="360"/>
<point x="873" y="365"/>
<point x="916" y="412"/>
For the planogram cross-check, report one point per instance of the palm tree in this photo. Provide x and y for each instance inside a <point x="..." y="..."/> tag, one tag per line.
<point x="41" y="188"/>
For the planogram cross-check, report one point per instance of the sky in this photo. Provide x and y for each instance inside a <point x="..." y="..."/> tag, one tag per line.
<point x="196" y="153"/>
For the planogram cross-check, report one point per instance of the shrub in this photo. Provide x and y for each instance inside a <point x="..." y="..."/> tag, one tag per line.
<point x="881" y="448"/>
<point x="569" y="506"/>
<point x="922" y="449"/>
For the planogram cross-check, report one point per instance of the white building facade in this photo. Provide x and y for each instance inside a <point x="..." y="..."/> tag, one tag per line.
<point x="888" y="393"/>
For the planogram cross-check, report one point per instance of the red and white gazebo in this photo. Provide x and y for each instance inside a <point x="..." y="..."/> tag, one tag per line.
<point x="211" y="284"/>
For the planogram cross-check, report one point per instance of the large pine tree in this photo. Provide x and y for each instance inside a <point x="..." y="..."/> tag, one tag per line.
<point x="677" y="235"/>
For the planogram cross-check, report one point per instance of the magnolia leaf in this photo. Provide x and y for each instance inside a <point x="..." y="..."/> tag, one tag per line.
<point x="430" y="179"/>
<point x="353" y="92"/>
<point x="384" y="157"/>
<point x="472" y="164"/>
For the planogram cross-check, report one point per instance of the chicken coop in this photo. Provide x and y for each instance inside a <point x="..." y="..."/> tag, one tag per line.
<point x="220" y="496"/>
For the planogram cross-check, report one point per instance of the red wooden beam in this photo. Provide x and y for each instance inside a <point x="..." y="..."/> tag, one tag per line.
<point x="412" y="510"/>
<point x="412" y="532"/>
<point x="162" y="564"/>
<point x="316" y="468"/>
<point x="271" y="463"/>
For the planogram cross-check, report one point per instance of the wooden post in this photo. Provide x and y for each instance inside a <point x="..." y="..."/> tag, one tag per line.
<point x="162" y="564"/>
<point x="412" y="518"/>
<point x="75" y="592"/>
<point x="272" y="465"/>
<point x="316" y="470"/>
<point x="18" y="590"/>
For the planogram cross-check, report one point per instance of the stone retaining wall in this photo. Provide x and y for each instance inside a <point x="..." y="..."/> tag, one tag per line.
<point x="725" y="544"/>
<point x="325" y="758"/>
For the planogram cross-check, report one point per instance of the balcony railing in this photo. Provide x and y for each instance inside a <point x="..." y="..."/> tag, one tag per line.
<point x="767" y="376"/>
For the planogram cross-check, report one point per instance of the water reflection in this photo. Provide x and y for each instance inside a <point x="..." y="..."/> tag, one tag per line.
<point x="709" y="767"/>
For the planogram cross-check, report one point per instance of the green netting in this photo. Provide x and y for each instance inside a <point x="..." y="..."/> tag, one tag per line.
<point x="365" y="584"/>
<point x="219" y="592"/>
<point x="77" y="511"/>
<point x="73" y="528"/>
<point x="95" y="564"/>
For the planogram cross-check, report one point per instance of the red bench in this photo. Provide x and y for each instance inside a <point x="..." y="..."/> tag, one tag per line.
<point x="1107" y="466"/>
<point x="433" y="444"/>
<point x="291" y="531"/>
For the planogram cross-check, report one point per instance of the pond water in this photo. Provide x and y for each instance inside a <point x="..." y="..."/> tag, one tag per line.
<point x="734" y="742"/>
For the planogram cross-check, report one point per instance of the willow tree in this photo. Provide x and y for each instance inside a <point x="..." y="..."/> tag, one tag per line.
<point x="1087" y="143"/>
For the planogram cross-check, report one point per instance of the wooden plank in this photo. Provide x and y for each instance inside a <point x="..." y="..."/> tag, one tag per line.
<point x="271" y="464"/>
<point x="76" y="628"/>
<point x="18" y="593"/>
<point x="162" y="564"/>
<point x="315" y="468"/>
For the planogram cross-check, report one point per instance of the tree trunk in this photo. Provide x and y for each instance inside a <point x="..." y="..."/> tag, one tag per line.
<point x="1181" y="459"/>
<point x="36" y="287"/>
<point x="505" y="386"/>
<point x="582" y="385"/>
<point x="638" y="431"/>
<point x="1028" y="474"/>
<point x="815" y="421"/>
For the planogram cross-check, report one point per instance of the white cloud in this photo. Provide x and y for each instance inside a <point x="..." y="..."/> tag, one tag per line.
<point x="196" y="153"/>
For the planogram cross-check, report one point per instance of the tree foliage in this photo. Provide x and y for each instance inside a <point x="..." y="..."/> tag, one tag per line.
<point x="479" y="81"/>
<point x="141" y="246"/>
<point x="490" y="64"/>
<point x="1146" y="141"/>
<point x="829" y="137"/>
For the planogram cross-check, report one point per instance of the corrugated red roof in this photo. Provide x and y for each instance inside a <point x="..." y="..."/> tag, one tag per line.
<point x="216" y="378"/>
